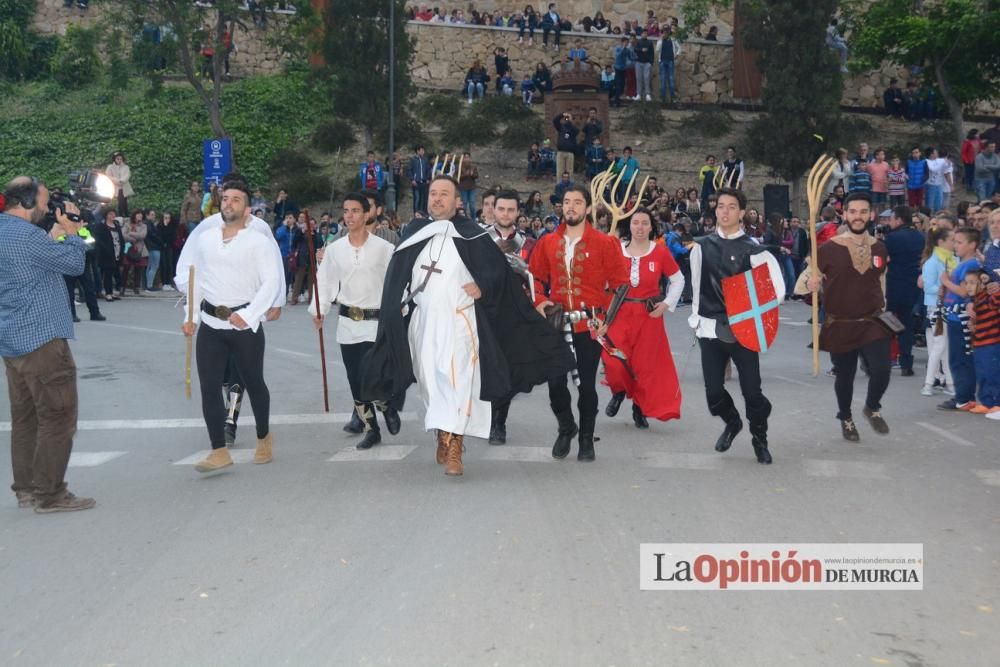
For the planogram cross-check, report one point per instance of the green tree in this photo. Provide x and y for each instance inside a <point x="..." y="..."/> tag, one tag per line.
<point x="355" y="45"/>
<point x="953" y="41"/>
<point x="802" y="82"/>
<point x="188" y="28"/>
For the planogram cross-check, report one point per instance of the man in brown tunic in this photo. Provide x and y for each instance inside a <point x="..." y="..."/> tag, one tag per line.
<point x="850" y="272"/>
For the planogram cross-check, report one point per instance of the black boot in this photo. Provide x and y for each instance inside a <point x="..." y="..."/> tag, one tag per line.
<point x="586" y="452"/>
<point x="373" y="436"/>
<point x="354" y="426"/>
<point x="567" y="431"/>
<point x="757" y="414"/>
<point x="614" y="404"/>
<point x="234" y="400"/>
<point x="638" y="417"/>
<point x="498" y="427"/>
<point x="727" y="411"/>
<point x="392" y="420"/>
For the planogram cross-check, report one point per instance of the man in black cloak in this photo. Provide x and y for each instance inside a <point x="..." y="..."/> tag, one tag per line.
<point x="466" y="332"/>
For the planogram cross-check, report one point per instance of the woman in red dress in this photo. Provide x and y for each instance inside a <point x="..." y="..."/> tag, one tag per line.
<point x="647" y="374"/>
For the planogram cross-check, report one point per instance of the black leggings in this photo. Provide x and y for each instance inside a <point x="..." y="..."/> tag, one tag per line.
<point x="112" y="279"/>
<point x="588" y="357"/>
<point x="213" y="348"/>
<point x="845" y="365"/>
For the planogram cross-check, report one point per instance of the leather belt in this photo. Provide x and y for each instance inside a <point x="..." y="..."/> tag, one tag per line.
<point x="220" y="312"/>
<point x="359" y="314"/>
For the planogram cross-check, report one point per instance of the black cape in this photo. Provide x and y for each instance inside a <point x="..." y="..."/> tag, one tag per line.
<point x="518" y="349"/>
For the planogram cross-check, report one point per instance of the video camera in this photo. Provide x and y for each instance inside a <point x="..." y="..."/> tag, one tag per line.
<point x="88" y="189"/>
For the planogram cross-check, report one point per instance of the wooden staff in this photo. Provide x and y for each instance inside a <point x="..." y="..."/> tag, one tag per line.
<point x="815" y="186"/>
<point x="315" y="300"/>
<point x="190" y="339"/>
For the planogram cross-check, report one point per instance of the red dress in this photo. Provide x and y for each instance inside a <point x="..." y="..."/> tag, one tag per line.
<point x="643" y="339"/>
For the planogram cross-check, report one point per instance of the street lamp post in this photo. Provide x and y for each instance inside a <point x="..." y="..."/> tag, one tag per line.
<point x="390" y="188"/>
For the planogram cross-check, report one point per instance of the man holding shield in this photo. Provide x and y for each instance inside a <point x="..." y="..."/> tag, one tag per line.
<point x="736" y="285"/>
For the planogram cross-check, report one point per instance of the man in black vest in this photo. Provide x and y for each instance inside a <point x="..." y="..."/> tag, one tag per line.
<point x="729" y="252"/>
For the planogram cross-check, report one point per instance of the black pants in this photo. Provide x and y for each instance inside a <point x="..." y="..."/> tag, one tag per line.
<point x="212" y="351"/>
<point x="167" y="265"/>
<point x="904" y="311"/>
<point x="714" y="356"/>
<point x="89" y="295"/>
<point x="112" y="279"/>
<point x="588" y="357"/>
<point x="845" y="364"/>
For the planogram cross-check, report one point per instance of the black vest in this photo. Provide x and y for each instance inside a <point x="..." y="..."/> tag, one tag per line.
<point x="722" y="258"/>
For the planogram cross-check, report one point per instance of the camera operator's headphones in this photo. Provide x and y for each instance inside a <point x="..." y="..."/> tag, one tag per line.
<point x="26" y="195"/>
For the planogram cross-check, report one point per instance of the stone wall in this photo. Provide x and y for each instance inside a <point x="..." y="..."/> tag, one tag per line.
<point x="445" y="52"/>
<point x="253" y="55"/>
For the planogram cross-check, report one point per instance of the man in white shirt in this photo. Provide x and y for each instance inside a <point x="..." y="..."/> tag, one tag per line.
<point x="351" y="275"/>
<point x="729" y="252"/>
<point x="236" y="280"/>
<point x="232" y="384"/>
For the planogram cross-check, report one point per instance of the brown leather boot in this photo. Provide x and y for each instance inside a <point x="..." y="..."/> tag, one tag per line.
<point x="453" y="465"/>
<point x="263" y="452"/>
<point x="442" y="451"/>
<point x="218" y="459"/>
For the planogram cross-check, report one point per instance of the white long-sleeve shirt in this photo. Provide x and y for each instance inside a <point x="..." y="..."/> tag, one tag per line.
<point x="353" y="276"/>
<point x="215" y="221"/>
<point x="240" y="270"/>
<point x="704" y="327"/>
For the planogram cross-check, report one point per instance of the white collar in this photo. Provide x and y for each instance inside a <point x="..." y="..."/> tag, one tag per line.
<point x="738" y="233"/>
<point x="433" y="229"/>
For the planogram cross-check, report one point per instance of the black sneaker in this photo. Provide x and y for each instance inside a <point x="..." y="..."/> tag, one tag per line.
<point x="875" y="419"/>
<point x="949" y="405"/>
<point x="906" y="372"/>
<point x="849" y="430"/>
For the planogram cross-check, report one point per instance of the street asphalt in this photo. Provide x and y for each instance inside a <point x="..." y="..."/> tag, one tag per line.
<point x="329" y="556"/>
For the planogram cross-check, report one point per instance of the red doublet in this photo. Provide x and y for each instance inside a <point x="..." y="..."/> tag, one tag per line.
<point x="643" y="339"/>
<point x="595" y="269"/>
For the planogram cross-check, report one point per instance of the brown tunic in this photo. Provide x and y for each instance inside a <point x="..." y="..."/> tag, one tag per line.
<point x="852" y="292"/>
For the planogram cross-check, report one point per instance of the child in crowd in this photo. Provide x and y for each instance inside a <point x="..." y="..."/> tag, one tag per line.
<point x="939" y="258"/>
<point x="608" y="81"/>
<point x="578" y="52"/>
<point x="984" y="312"/>
<point x="897" y="178"/>
<point x="956" y="296"/>
<point x="527" y="91"/>
<point x="507" y="84"/>
<point x="534" y="162"/>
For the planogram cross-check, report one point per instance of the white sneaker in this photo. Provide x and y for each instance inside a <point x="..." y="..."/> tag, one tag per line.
<point x="928" y="390"/>
<point x="649" y="98"/>
<point x="995" y="416"/>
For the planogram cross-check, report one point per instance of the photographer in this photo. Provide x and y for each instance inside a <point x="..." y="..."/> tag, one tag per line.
<point x="35" y="324"/>
<point x="905" y="245"/>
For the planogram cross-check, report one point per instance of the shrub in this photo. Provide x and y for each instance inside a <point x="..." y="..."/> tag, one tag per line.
<point x="467" y="130"/>
<point x="334" y="135"/>
<point x="438" y="109"/>
<point x="712" y="123"/>
<point x="519" y="135"/>
<point x="498" y="109"/>
<point x="644" y="118"/>
<point x="76" y="62"/>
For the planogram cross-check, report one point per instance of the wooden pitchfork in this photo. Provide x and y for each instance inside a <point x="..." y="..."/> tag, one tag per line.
<point x="815" y="187"/>
<point x="600" y="194"/>
<point x="310" y="226"/>
<point x="441" y="167"/>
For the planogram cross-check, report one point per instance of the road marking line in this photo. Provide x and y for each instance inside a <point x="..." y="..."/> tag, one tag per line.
<point x="91" y="459"/>
<point x="522" y="454"/>
<point x="794" y="381"/>
<point x="858" y="469"/>
<point x="238" y="455"/>
<point x="991" y="477"/>
<point x="148" y="424"/>
<point x="682" y="461"/>
<point x="947" y="435"/>
<point x="376" y="453"/>
<point x="142" y="329"/>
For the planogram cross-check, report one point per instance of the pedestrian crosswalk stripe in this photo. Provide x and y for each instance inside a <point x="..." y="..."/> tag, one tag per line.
<point x="682" y="461"/>
<point x="150" y="424"/>
<point x="91" y="459"/>
<point x="239" y="456"/>
<point x="990" y="477"/>
<point x="513" y="453"/>
<point x="858" y="469"/>
<point x="377" y="453"/>
<point x="947" y="435"/>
